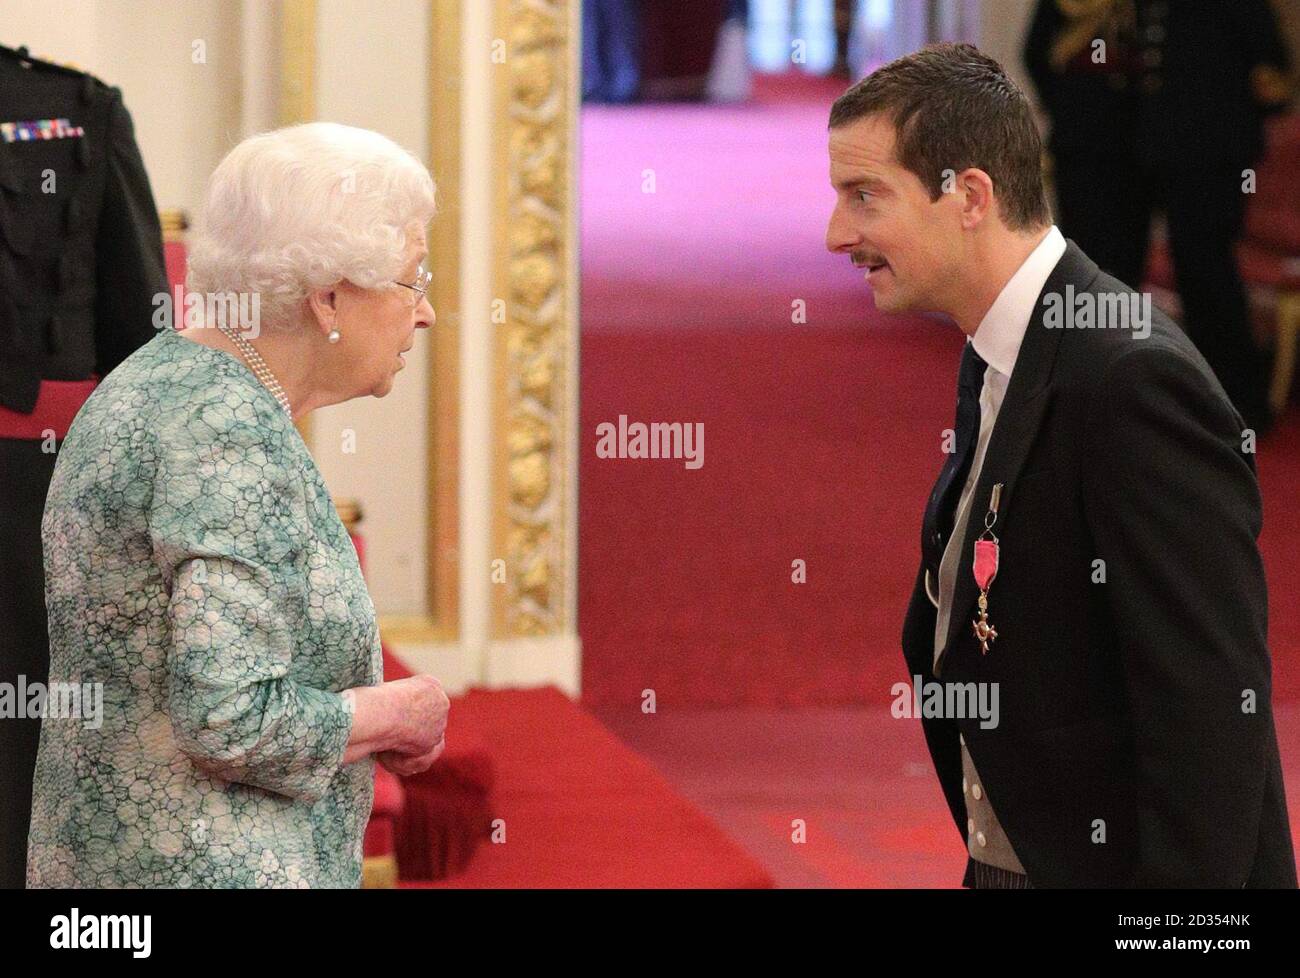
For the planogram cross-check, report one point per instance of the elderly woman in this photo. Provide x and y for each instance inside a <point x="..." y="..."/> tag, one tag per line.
<point x="196" y="568"/>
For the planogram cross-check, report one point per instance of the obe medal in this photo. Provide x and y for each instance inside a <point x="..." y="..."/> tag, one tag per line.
<point x="986" y="569"/>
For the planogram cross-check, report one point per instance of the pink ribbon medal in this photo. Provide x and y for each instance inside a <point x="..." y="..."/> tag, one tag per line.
<point x="986" y="569"/>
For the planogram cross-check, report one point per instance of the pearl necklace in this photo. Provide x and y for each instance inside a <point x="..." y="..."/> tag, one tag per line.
<point x="260" y="370"/>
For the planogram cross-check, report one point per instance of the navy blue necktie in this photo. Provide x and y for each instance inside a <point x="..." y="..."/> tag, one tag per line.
<point x="941" y="510"/>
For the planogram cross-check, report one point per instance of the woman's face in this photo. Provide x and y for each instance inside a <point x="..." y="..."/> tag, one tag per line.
<point x="377" y="326"/>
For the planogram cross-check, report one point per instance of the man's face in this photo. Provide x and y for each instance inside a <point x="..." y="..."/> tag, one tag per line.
<point x="885" y="221"/>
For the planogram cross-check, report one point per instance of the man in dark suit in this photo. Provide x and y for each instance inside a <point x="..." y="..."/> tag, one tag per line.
<point x="80" y="262"/>
<point x="1169" y="116"/>
<point x="1115" y="603"/>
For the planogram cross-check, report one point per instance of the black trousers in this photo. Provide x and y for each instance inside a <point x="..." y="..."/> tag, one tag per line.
<point x="1105" y="203"/>
<point x="982" y="876"/>
<point x="24" y="642"/>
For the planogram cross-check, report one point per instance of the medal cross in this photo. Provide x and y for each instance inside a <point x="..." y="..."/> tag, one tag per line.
<point x="984" y="632"/>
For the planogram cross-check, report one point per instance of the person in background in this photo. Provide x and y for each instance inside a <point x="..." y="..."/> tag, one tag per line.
<point x="611" y="50"/>
<point x="81" y="260"/>
<point x="729" y="75"/>
<point x="1167" y="114"/>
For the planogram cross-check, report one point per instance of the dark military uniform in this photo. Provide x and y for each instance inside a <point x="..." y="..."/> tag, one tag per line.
<point x="1168" y="122"/>
<point x="1093" y="107"/>
<point x="81" y="260"/>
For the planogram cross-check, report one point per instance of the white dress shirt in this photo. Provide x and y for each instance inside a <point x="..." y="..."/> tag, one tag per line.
<point x="997" y="340"/>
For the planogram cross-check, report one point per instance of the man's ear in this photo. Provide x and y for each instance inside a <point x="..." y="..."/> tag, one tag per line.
<point x="324" y="307"/>
<point x="976" y="188"/>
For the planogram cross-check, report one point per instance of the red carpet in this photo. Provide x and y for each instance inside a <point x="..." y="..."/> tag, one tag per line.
<point x="860" y="781"/>
<point x="578" y="809"/>
<point x="821" y="438"/>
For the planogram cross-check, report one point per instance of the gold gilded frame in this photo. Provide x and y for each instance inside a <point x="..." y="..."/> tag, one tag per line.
<point x="297" y="101"/>
<point x="534" y="271"/>
<point x="297" y="62"/>
<point x="535" y="274"/>
<point x="442" y="529"/>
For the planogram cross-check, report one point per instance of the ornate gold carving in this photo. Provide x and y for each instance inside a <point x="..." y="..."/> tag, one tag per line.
<point x="535" y="340"/>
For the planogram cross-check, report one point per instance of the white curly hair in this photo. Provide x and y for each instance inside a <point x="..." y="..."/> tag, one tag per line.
<point x="303" y="208"/>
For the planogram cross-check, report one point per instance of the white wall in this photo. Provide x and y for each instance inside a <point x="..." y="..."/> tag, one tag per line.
<point x="186" y="111"/>
<point x="372" y="71"/>
<point x="1002" y="28"/>
<point x="56" y="30"/>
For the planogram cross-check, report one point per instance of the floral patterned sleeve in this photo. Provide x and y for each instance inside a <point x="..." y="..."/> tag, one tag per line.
<point x="227" y="524"/>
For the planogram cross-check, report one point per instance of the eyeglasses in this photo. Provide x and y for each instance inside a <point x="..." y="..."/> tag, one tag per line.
<point x="423" y="279"/>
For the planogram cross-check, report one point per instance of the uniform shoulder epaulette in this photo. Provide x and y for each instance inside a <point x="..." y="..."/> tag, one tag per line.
<point x="66" y="68"/>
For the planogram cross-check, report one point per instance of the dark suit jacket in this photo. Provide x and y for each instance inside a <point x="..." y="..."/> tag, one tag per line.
<point x="79" y="267"/>
<point x="1121" y="703"/>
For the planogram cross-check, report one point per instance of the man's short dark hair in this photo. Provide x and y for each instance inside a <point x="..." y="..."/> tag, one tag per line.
<point x="955" y="108"/>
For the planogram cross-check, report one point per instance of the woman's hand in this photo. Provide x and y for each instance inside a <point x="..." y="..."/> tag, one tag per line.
<point x="418" y="710"/>
<point x="406" y="718"/>
<point x="404" y="765"/>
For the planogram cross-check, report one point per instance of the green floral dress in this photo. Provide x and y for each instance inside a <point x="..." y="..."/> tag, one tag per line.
<point x="196" y="567"/>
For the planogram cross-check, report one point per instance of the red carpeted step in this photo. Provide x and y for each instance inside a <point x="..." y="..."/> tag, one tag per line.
<point x="442" y="817"/>
<point x="390" y="800"/>
<point x="448" y="808"/>
<point x="575" y="807"/>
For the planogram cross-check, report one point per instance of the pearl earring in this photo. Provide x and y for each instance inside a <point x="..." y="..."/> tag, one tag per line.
<point x="333" y="336"/>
